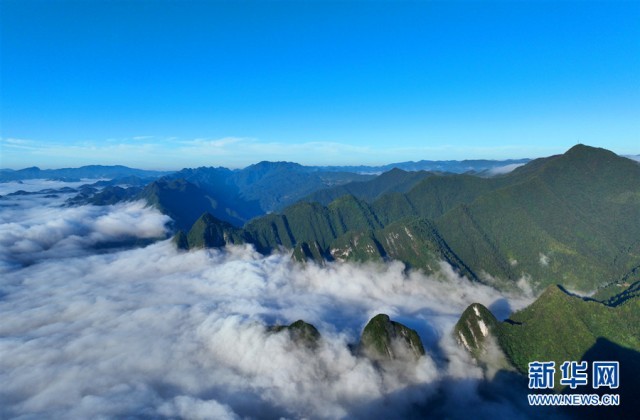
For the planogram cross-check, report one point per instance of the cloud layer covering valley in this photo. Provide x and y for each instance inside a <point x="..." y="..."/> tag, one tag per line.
<point x="34" y="227"/>
<point x="152" y="331"/>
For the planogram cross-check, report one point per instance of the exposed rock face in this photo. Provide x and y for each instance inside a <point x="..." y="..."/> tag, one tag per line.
<point x="475" y="327"/>
<point x="383" y="339"/>
<point x="304" y="252"/>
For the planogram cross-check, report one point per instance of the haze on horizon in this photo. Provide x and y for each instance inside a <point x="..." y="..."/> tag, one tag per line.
<point x="166" y="85"/>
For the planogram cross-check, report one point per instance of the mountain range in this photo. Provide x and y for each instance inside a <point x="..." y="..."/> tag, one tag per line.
<point x="237" y="196"/>
<point x="549" y="225"/>
<point x="570" y="219"/>
<point x="77" y="174"/>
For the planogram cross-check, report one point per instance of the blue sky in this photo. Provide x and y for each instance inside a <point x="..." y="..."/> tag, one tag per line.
<point x="176" y="84"/>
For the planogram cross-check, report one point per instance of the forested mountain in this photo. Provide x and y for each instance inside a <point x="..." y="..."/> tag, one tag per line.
<point x="237" y="196"/>
<point x="570" y="219"/>
<point x="395" y="180"/>
<point x="559" y="327"/>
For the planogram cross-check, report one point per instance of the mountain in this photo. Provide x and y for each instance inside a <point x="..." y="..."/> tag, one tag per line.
<point x="276" y="185"/>
<point x="185" y="202"/>
<point x="395" y="180"/>
<point x="559" y="327"/>
<point x="76" y="174"/>
<point x="570" y="219"/>
<point x="475" y="328"/>
<point x="209" y="232"/>
<point x="300" y="332"/>
<point x="384" y="339"/>
<point x="238" y="196"/>
<point x="106" y="196"/>
<point x="267" y="186"/>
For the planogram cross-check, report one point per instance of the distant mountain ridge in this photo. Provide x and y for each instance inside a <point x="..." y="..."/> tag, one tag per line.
<point x="76" y="174"/>
<point x="114" y="171"/>
<point x="239" y="196"/>
<point x="570" y="218"/>
<point x="452" y="166"/>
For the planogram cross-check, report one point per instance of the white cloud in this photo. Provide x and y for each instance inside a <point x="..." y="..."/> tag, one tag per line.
<point x="500" y="170"/>
<point x="157" y="332"/>
<point x="544" y="260"/>
<point x="36" y="227"/>
<point x="33" y="185"/>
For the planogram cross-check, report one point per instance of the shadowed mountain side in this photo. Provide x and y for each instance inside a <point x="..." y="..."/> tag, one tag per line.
<point x="267" y="186"/>
<point x="276" y="185"/>
<point x="209" y="232"/>
<point x="629" y="389"/>
<point x="503" y="396"/>
<point x="185" y="202"/>
<point x="617" y="293"/>
<point x="559" y="327"/>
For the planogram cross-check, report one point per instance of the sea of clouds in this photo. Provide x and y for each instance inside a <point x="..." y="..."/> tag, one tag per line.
<point x="90" y="332"/>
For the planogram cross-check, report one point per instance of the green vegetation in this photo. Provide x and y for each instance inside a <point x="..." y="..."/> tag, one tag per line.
<point x="383" y="339"/>
<point x="559" y="326"/>
<point x="209" y="232"/>
<point x="301" y="333"/>
<point x="569" y="219"/>
<point x="395" y="180"/>
<point x="556" y="327"/>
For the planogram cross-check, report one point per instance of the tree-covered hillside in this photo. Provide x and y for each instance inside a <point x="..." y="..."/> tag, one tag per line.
<point x="571" y="219"/>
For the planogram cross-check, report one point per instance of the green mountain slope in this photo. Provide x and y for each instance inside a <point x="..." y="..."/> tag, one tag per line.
<point x="209" y="232"/>
<point x="383" y="339"/>
<point x="395" y="180"/>
<point x="418" y="244"/>
<point x="559" y="327"/>
<point x="311" y="223"/>
<point x="571" y="219"/>
<point x="566" y="220"/>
